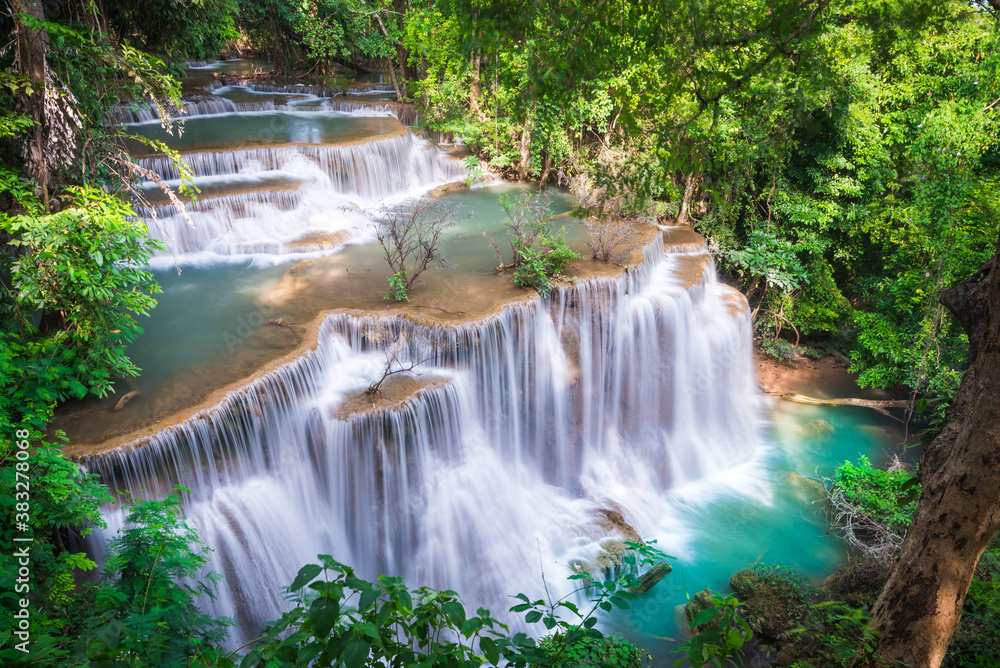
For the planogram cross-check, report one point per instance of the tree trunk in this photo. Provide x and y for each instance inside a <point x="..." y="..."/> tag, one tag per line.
<point x="401" y="56"/>
<point x="959" y="509"/>
<point x="476" y="86"/>
<point x="392" y="77"/>
<point x="525" y="164"/>
<point x="32" y="48"/>
<point x="682" y="215"/>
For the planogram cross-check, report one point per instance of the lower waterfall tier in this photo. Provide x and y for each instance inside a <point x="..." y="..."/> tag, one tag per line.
<point x="541" y="419"/>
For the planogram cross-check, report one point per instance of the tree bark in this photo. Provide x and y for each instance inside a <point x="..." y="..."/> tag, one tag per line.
<point x="525" y="164"/>
<point x="32" y="49"/>
<point x="476" y="85"/>
<point x="682" y="215"/>
<point x="959" y="509"/>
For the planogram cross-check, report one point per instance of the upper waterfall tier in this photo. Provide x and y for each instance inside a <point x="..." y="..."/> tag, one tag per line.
<point x="606" y="395"/>
<point x="234" y="99"/>
<point x="273" y="128"/>
<point x="262" y="200"/>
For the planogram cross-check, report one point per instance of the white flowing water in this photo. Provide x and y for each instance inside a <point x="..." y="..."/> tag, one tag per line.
<point x="606" y="396"/>
<point x="331" y="183"/>
<point x="634" y="395"/>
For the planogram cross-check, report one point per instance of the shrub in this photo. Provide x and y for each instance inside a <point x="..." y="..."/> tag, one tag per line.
<point x="872" y="506"/>
<point x="830" y="635"/>
<point x="777" y="349"/>
<point x="587" y="652"/>
<point x="718" y="634"/>
<point x="775" y="598"/>
<point x="612" y="240"/>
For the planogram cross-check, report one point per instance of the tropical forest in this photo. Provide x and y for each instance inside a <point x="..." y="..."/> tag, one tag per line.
<point x="500" y="333"/>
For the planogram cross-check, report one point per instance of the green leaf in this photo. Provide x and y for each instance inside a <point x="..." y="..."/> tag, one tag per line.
<point x="323" y="613"/>
<point x="489" y="648"/>
<point x="455" y="612"/>
<point x="356" y="654"/>
<point x="306" y="575"/>
<point x="109" y="634"/>
<point x="533" y="616"/>
<point x="368" y="597"/>
<point x="704" y="617"/>
<point x="309" y="652"/>
<point x="471" y="625"/>
<point x="250" y="659"/>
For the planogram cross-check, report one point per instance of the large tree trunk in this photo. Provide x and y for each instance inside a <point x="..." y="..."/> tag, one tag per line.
<point x="525" y="164"/>
<point x="959" y="509"/>
<point x="689" y="182"/>
<point x="32" y="48"/>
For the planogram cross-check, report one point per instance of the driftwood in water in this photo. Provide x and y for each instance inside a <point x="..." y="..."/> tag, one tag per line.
<point x="126" y="398"/>
<point x="878" y="404"/>
<point x="648" y="579"/>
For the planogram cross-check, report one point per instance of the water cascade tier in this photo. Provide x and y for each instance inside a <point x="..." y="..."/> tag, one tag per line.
<point x="520" y="433"/>
<point x="262" y="199"/>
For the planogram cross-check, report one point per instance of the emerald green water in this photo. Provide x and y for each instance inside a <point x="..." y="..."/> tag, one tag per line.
<point x="770" y="512"/>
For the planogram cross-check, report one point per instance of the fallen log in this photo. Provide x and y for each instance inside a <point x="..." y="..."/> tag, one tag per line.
<point x="877" y="404"/>
<point x="126" y="398"/>
<point x="648" y="579"/>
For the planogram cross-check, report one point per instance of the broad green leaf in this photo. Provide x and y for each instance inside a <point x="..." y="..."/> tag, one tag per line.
<point x="306" y="575"/>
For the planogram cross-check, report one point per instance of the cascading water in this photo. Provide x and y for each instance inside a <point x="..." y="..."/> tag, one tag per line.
<point x="533" y="423"/>
<point x="324" y="188"/>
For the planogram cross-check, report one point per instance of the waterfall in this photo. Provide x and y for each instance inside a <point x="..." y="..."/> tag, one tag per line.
<point x="606" y="395"/>
<point x="203" y="107"/>
<point x="334" y="180"/>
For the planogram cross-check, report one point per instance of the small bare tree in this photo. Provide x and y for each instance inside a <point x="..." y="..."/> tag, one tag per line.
<point x="397" y="359"/>
<point x="611" y="239"/>
<point x="411" y="235"/>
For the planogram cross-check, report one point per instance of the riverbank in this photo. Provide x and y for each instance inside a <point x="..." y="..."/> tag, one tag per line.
<point x="824" y="378"/>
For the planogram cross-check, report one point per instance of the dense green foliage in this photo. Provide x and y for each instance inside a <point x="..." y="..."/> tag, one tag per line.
<point x="341" y="619"/>
<point x="718" y="634"/>
<point x="537" y="252"/>
<point x="140" y="612"/>
<point x="886" y="497"/>
<point x="840" y="156"/>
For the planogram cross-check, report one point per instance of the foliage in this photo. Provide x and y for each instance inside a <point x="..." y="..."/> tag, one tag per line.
<point x="341" y="618"/>
<point x="397" y="287"/>
<point x="718" y="634"/>
<point x="145" y="611"/>
<point x="773" y="597"/>
<point x="64" y="504"/>
<point x="476" y="173"/>
<point x="886" y="497"/>
<point x="178" y="30"/>
<point x="587" y="652"/>
<point x="777" y="349"/>
<point x="831" y="634"/>
<point x="537" y="252"/>
<point x="140" y="613"/>
<point x="74" y="289"/>
<point x="90" y="77"/>
<point x="977" y="639"/>
<point x="320" y="35"/>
